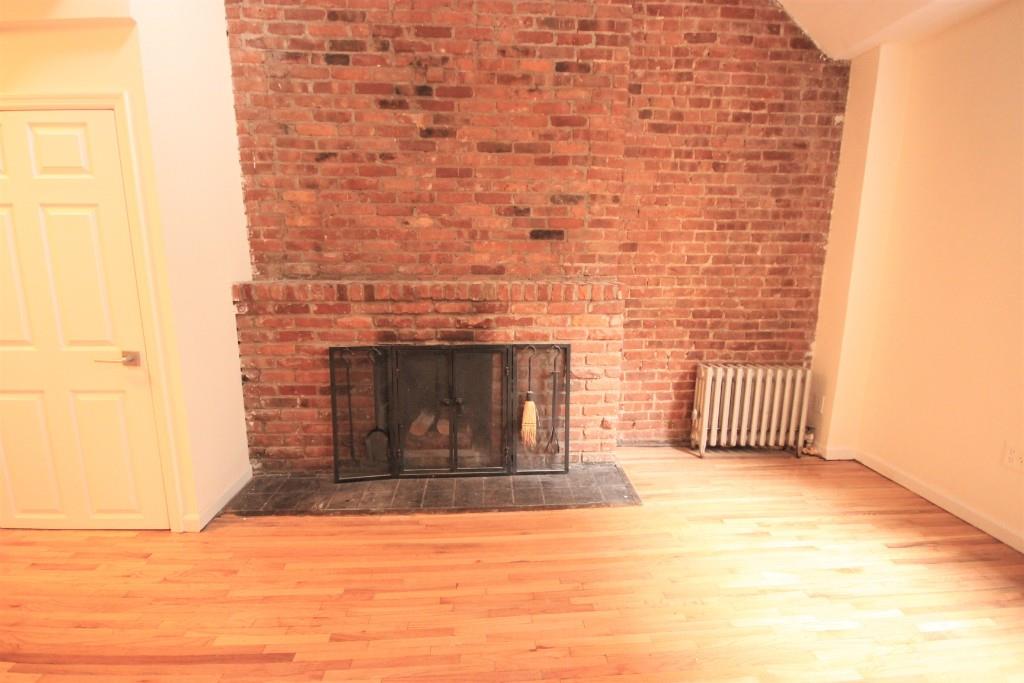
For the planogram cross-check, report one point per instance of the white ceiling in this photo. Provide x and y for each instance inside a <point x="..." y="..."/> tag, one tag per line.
<point x="844" y="29"/>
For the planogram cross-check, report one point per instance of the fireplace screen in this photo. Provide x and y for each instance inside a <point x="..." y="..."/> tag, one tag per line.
<point x="435" y="411"/>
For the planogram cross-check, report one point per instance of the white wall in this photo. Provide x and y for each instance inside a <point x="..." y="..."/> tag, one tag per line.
<point x="187" y="82"/>
<point x="845" y="29"/>
<point x="829" y="370"/>
<point x="169" y="61"/>
<point x="920" y="352"/>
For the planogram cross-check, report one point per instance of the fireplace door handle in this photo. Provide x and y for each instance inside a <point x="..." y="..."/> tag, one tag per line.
<point x="448" y="402"/>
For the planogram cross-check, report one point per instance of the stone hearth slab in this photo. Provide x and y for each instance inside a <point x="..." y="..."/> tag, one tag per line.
<point x="585" y="485"/>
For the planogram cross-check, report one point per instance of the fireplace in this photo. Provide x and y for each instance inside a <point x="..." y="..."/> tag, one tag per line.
<point x="428" y="411"/>
<point x="286" y="330"/>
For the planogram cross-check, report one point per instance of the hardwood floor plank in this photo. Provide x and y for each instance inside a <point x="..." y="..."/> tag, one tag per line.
<point x="739" y="570"/>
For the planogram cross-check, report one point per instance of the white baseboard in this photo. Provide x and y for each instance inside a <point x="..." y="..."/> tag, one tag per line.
<point x="197" y="521"/>
<point x="1012" y="538"/>
<point x="841" y="454"/>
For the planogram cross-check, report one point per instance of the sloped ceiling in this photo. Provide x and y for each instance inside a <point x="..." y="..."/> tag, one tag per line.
<point x="844" y="29"/>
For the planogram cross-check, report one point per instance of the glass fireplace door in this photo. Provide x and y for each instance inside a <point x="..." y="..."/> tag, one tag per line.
<point x="479" y="409"/>
<point x="451" y="410"/>
<point x="425" y="410"/>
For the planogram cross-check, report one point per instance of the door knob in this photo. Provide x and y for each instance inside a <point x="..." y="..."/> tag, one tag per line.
<point x="127" y="358"/>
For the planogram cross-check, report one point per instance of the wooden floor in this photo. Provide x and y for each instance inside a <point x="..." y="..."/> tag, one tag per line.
<point x="738" y="569"/>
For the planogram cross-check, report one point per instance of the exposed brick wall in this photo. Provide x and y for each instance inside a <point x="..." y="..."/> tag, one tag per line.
<point x="731" y="153"/>
<point x="430" y="138"/>
<point x="686" y="150"/>
<point x="286" y="327"/>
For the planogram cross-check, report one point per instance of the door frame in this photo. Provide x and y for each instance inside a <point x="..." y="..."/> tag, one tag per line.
<point x="150" y="279"/>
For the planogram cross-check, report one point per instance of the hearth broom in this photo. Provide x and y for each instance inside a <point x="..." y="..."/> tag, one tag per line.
<point x="528" y="428"/>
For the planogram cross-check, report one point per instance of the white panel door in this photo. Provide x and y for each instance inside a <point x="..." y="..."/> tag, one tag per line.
<point x="78" y="444"/>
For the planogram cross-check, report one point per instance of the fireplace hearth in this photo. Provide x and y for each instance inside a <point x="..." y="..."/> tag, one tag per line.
<point x="433" y="411"/>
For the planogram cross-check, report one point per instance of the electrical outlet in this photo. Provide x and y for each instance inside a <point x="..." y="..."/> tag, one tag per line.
<point x="1013" y="457"/>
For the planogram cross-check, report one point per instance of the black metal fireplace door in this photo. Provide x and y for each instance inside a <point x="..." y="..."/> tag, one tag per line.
<point x="448" y="410"/>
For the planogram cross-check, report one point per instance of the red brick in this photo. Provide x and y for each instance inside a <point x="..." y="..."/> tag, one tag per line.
<point x="421" y="146"/>
<point x="421" y="315"/>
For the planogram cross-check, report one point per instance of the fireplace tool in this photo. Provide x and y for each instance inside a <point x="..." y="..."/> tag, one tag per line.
<point x="377" y="438"/>
<point x="552" y="445"/>
<point x="528" y="428"/>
